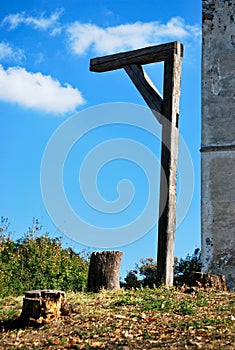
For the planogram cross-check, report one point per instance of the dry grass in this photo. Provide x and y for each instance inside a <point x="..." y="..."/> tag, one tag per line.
<point x="135" y="319"/>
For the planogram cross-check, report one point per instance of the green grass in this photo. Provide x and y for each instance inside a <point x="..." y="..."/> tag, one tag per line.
<point x="10" y="307"/>
<point x="143" y="318"/>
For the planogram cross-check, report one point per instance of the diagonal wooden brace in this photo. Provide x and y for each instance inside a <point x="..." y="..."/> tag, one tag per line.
<point x="146" y="88"/>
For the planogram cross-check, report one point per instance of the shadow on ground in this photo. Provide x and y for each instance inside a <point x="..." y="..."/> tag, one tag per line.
<point x="17" y="323"/>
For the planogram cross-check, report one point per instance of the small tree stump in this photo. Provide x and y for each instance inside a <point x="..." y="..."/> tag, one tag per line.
<point x="208" y="281"/>
<point x="43" y="305"/>
<point x="104" y="271"/>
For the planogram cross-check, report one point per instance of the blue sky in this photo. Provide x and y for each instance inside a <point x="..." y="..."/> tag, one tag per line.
<point x="45" y="48"/>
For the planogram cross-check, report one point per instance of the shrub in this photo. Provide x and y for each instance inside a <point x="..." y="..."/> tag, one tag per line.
<point x="39" y="262"/>
<point x="148" y="271"/>
<point x="185" y="267"/>
<point x="131" y="280"/>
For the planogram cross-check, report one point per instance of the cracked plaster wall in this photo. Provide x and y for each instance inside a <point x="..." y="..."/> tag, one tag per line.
<point x="218" y="138"/>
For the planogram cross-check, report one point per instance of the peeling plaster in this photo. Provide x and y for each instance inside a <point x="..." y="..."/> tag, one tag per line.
<point x="216" y="78"/>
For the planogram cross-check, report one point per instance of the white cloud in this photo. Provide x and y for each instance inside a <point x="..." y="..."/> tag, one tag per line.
<point x="39" y="58"/>
<point x="10" y="53"/>
<point x="56" y="31"/>
<point x="83" y="37"/>
<point x="37" y="91"/>
<point x="41" y="22"/>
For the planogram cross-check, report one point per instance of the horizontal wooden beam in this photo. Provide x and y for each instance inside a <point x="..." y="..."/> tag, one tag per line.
<point x="146" y="55"/>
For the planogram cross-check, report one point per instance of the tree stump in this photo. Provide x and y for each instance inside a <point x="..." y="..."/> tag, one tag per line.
<point x="43" y="305"/>
<point x="104" y="271"/>
<point x="208" y="281"/>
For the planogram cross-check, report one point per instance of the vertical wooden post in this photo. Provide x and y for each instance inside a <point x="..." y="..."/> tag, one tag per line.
<point x="169" y="155"/>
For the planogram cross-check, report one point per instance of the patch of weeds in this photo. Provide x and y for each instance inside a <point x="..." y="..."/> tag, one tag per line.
<point x="50" y="341"/>
<point x="102" y="330"/>
<point x="135" y="313"/>
<point x="145" y="335"/>
<point x="126" y="300"/>
<point x="217" y="321"/>
<point x="117" y="308"/>
<point x="229" y="306"/>
<point x="211" y="322"/>
<point x="84" y="333"/>
<point x="8" y="314"/>
<point x="63" y="340"/>
<point x="196" y="324"/>
<point x="182" y="326"/>
<point x="149" y="298"/>
<point x="158" y="305"/>
<point x="185" y="308"/>
<point x="174" y="325"/>
<point x="9" y="308"/>
<point x="201" y="300"/>
<point x="161" y="304"/>
<point x="76" y="332"/>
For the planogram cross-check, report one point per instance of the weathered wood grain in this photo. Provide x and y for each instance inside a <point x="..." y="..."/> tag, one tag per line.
<point x="169" y="155"/>
<point x="43" y="305"/>
<point x="104" y="270"/>
<point x="146" y="88"/>
<point x="146" y="55"/>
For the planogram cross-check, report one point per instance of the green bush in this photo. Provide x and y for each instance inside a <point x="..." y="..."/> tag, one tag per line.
<point x="131" y="280"/>
<point x="39" y="262"/>
<point x="184" y="267"/>
<point x="148" y="271"/>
